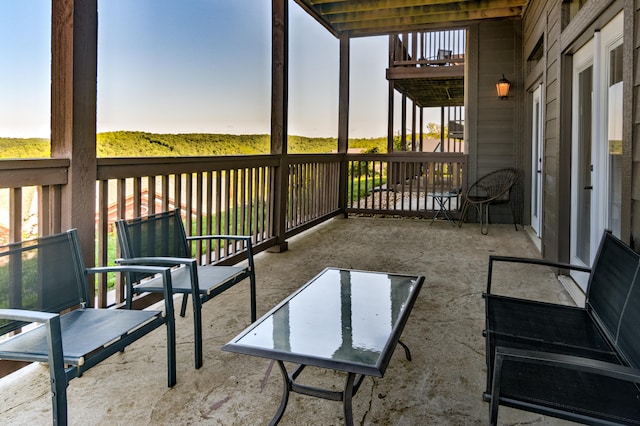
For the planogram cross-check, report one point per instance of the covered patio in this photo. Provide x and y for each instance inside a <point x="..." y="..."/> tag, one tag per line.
<point x="443" y="384"/>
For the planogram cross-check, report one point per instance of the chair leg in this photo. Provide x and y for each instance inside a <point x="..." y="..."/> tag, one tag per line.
<point x="465" y="206"/>
<point x="171" y="350"/>
<point x="197" y="330"/>
<point x="513" y="215"/>
<point x="484" y="226"/>
<point x="58" y="378"/>
<point x="252" y="280"/>
<point x="183" y="308"/>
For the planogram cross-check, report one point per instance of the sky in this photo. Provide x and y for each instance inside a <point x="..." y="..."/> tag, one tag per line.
<point x="192" y="66"/>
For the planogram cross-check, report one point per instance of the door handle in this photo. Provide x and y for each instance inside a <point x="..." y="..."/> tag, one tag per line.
<point x="589" y="187"/>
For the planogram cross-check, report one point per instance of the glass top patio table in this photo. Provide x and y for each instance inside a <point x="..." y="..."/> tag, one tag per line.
<point x="342" y="319"/>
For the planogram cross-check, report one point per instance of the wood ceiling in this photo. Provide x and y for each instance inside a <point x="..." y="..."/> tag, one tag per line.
<point x="360" y="18"/>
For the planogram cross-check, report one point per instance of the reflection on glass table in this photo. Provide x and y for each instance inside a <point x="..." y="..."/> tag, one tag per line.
<point x="343" y="320"/>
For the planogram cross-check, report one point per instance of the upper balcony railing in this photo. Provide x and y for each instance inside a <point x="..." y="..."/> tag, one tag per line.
<point x="234" y="195"/>
<point x="429" y="48"/>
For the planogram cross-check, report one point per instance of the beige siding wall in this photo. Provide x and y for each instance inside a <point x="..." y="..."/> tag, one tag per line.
<point x="494" y="49"/>
<point x="497" y="120"/>
<point x="552" y="231"/>
<point x="544" y="19"/>
<point x="635" y="128"/>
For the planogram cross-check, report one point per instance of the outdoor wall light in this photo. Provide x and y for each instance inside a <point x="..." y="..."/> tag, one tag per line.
<point x="502" y="86"/>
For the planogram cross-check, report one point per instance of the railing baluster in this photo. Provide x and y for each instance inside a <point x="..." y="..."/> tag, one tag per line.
<point x="151" y="195"/>
<point x="209" y="215"/>
<point x="189" y="203"/>
<point x="165" y="193"/>
<point x="15" y="214"/>
<point x="103" y="240"/>
<point x="199" y="204"/>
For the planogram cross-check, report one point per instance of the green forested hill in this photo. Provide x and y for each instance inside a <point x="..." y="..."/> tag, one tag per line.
<point x="143" y="144"/>
<point x="24" y="148"/>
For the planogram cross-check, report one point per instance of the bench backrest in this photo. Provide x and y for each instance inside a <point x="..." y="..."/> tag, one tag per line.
<point x="613" y="297"/>
<point x="157" y="235"/>
<point x="44" y="274"/>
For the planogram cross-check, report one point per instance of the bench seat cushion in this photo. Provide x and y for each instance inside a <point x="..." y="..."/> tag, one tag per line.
<point x="83" y="332"/>
<point x="209" y="279"/>
<point x="553" y="388"/>
<point x="532" y="325"/>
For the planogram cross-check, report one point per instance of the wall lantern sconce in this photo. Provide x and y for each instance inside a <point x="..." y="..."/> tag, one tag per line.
<point x="502" y="86"/>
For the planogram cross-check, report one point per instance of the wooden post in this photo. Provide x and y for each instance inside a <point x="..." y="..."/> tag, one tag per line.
<point x="74" y="52"/>
<point x="391" y="95"/>
<point x="414" y="113"/>
<point x="421" y="144"/>
<point x="343" y="120"/>
<point x="403" y="123"/>
<point x="279" y="112"/>
<point x="442" y="129"/>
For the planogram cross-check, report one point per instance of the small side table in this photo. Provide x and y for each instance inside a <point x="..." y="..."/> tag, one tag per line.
<point x="443" y="199"/>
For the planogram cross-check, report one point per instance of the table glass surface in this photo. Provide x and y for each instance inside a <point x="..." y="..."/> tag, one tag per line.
<point x="342" y="316"/>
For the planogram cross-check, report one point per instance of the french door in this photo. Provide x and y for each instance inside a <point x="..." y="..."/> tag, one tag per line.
<point x="537" y="144"/>
<point x="596" y="143"/>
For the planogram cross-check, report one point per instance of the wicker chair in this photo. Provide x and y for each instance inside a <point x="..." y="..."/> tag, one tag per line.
<point x="493" y="188"/>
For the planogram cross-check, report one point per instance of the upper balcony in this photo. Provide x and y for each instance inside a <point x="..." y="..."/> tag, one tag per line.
<point x="428" y="67"/>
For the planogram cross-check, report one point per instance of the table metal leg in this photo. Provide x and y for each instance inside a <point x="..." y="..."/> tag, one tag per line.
<point x="443" y="204"/>
<point x="352" y="385"/>
<point x="407" y="352"/>
<point x="347" y="400"/>
<point x="285" y="395"/>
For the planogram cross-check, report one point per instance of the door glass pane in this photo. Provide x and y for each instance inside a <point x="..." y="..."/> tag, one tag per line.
<point x="537" y="159"/>
<point x="585" y="90"/>
<point x="615" y="139"/>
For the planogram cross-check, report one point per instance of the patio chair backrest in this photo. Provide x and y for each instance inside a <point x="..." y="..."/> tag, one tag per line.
<point x="613" y="296"/>
<point x="495" y="185"/>
<point x="157" y="235"/>
<point x="45" y="275"/>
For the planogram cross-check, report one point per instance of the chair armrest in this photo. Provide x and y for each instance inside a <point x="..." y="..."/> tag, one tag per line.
<point x="26" y="315"/>
<point x="127" y="268"/>
<point x="529" y="261"/>
<point x="156" y="261"/>
<point x="245" y="238"/>
<point x="165" y="271"/>
<point x="572" y="362"/>
<point x="551" y="359"/>
<point x="55" y="353"/>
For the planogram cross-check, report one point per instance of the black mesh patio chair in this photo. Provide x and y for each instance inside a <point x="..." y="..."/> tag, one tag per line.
<point x="41" y="278"/>
<point x="491" y="189"/>
<point x="160" y="239"/>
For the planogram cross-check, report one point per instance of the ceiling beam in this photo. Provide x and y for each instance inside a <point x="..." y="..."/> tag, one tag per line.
<point x="424" y="11"/>
<point x="426" y="6"/>
<point x="400" y="23"/>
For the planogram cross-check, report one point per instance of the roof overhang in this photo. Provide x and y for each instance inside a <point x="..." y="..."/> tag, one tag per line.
<point x="359" y="18"/>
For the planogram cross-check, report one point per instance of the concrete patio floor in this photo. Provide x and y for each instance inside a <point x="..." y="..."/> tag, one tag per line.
<point x="442" y="385"/>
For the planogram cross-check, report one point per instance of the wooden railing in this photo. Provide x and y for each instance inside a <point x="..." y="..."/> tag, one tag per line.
<point x="404" y="183"/>
<point x="30" y="197"/>
<point x="429" y="48"/>
<point x="233" y="195"/>
<point x="216" y="195"/>
<point x="313" y="190"/>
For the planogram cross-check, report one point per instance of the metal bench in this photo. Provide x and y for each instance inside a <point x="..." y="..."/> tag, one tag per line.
<point x="160" y="239"/>
<point x="574" y="363"/>
<point x="42" y="277"/>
